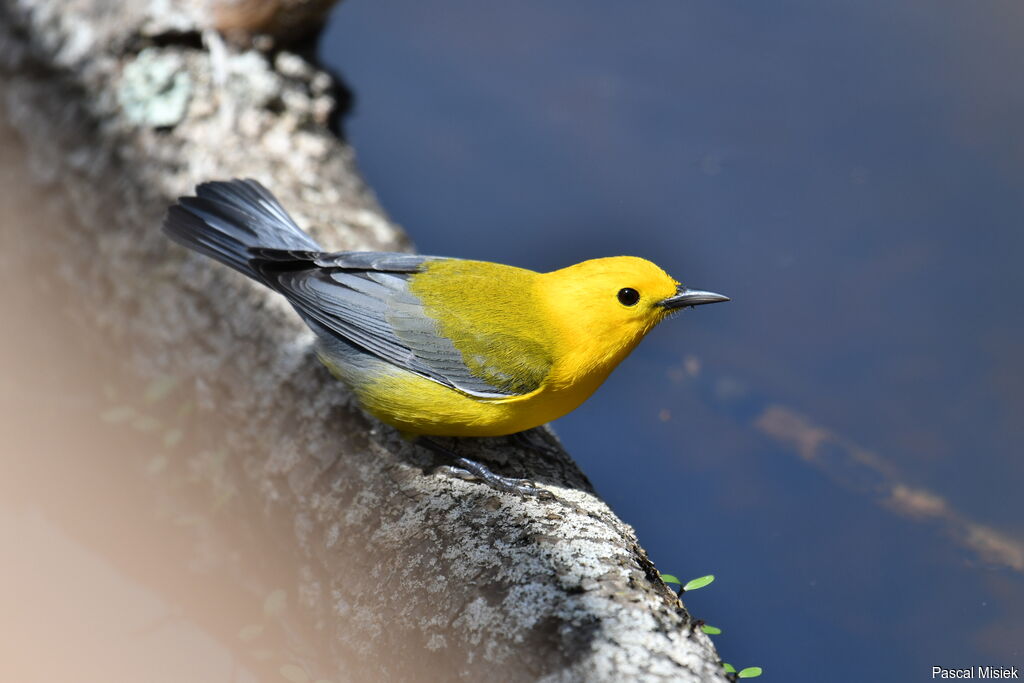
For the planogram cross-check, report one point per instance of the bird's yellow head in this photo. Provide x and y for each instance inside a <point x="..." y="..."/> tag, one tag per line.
<point x="607" y="305"/>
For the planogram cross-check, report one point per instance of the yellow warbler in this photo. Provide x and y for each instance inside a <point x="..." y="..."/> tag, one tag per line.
<point x="439" y="346"/>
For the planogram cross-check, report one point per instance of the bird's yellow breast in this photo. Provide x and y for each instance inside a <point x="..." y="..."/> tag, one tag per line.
<point x="419" y="405"/>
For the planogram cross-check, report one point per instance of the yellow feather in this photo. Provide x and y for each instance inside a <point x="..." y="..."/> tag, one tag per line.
<point x="570" y="319"/>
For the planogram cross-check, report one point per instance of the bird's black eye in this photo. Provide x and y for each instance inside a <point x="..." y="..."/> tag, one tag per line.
<point x="628" y="296"/>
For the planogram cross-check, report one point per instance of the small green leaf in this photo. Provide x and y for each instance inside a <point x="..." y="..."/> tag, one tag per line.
<point x="749" y="672"/>
<point x="275" y="603"/>
<point x="668" y="578"/>
<point x="294" y="673"/>
<point x="118" y="414"/>
<point x="700" y="582"/>
<point x="729" y="668"/>
<point x="711" y="630"/>
<point x="159" y="388"/>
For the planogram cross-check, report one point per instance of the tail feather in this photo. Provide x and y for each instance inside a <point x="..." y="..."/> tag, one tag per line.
<point x="225" y="220"/>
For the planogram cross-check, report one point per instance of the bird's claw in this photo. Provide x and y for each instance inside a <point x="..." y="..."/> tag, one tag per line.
<point x="466" y="469"/>
<point x="472" y="470"/>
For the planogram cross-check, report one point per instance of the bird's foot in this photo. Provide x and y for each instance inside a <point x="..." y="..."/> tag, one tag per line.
<point x="464" y="468"/>
<point x="471" y="470"/>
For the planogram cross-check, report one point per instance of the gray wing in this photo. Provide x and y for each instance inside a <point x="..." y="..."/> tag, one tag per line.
<point x="364" y="299"/>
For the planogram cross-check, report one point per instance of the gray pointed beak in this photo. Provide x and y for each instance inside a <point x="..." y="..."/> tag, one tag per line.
<point x="691" y="297"/>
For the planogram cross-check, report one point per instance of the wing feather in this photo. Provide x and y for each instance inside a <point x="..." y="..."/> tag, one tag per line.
<point x="364" y="299"/>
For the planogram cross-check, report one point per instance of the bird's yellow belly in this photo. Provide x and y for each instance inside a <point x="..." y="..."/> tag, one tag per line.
<point x="421" y="406"/>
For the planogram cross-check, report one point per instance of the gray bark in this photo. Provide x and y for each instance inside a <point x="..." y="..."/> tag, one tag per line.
<point x="401" y="572"/>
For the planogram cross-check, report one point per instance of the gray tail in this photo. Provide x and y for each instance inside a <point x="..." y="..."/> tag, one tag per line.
<point x="225" y="220"/>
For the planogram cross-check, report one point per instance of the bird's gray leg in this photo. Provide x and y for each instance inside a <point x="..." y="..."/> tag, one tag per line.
<point x="464" y="468"/>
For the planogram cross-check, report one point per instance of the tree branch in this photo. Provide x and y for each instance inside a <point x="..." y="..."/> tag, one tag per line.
<point x="404" y="573"/>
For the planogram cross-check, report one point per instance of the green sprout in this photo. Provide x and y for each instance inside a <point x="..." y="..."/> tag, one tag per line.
<point x="700" y="582"/>
<point x="691" y="585"/>
<point x="749" y="672"/>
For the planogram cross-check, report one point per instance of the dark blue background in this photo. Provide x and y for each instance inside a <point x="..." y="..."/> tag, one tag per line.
<point x="851" y="174"/>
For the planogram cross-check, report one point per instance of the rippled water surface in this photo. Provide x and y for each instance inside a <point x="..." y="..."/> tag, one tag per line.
<point x="841" y="444"/>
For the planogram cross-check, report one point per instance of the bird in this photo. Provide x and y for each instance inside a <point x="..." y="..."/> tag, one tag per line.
<point x="439" y="346"/>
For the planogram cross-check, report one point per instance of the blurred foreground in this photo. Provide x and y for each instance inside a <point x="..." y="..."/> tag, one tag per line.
<point x="105" y="575"/>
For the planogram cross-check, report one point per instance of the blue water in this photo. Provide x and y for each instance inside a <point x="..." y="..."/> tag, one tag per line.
<point x="852" y="174"/>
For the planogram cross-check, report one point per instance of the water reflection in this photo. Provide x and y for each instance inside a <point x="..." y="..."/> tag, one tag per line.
<point x="849" y="465"/>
